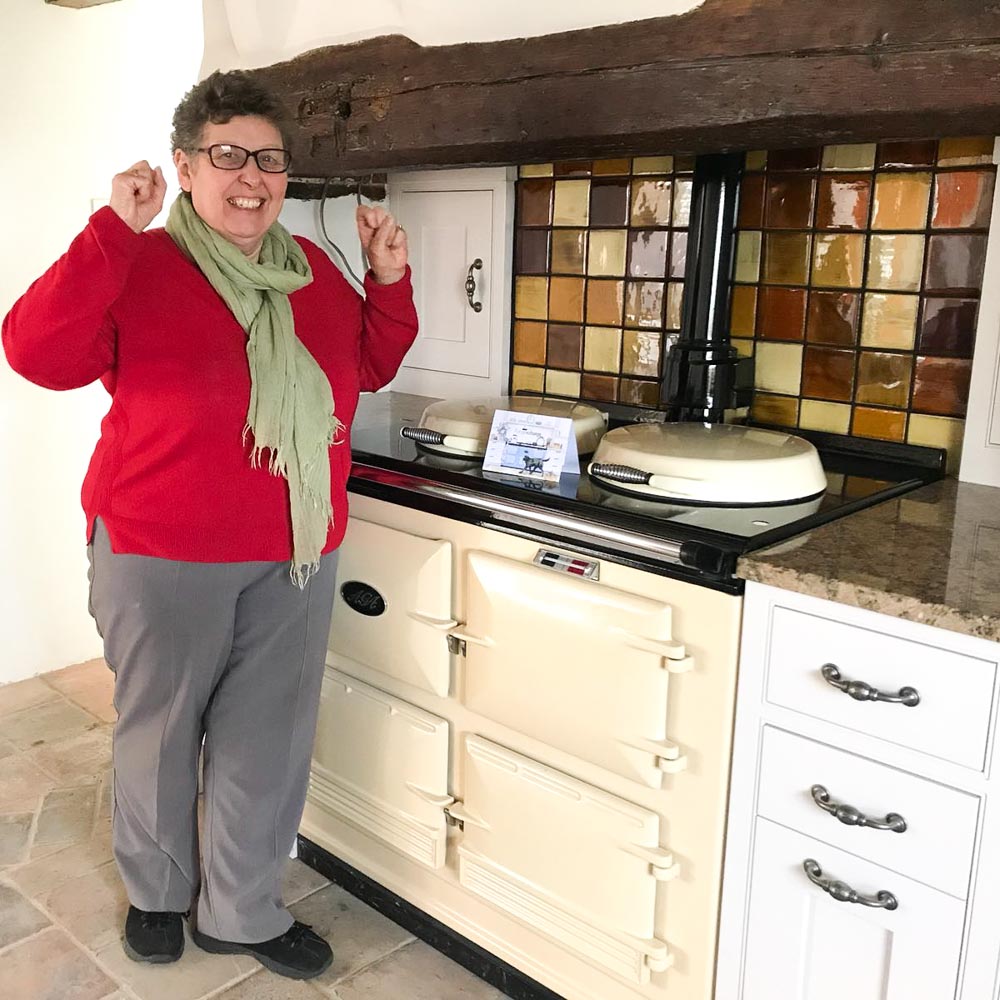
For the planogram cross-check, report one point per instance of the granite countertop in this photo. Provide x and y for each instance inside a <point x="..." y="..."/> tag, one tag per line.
<point x="930" y="556"/>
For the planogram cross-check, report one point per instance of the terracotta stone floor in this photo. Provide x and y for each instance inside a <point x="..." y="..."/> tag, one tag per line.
<point x="62" y="905"/>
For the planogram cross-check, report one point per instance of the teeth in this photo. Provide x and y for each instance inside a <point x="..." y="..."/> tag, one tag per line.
<point x="246" y="202"/>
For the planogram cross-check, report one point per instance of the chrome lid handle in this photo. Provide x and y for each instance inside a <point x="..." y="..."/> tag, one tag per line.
<point x="860" y="691"/>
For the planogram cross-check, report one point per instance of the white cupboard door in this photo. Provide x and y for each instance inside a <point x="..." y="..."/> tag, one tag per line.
<point x="802" y="944"/>
<point x="447" y="232"/>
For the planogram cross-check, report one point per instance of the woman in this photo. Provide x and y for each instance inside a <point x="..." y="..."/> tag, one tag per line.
<point x="215" y="501"/>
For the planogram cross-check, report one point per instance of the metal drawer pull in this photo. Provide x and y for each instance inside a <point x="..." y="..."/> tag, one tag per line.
<point x="860" y="691"/>
<point x="850" y="816"/>
<point x="470" y="284"/>
<point x="843" y="893"/>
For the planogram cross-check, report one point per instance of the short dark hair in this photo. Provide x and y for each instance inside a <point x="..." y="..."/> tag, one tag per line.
<point x="218" y="99"/>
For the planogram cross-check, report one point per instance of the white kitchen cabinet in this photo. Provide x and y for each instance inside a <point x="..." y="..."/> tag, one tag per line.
<point x="894" y="794"/>
<point x="459" y="226"/>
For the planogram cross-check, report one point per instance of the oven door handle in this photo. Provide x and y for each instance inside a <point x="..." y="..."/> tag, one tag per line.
<point x="675" y="656"/>
<point x="475" y="640"/>
<point x="438" y="624"/>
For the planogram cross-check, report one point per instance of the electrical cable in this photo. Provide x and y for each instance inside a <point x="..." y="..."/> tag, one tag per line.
<point x="326" y="236"/>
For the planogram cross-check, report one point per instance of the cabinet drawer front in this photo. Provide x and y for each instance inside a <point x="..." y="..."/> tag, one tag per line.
<point x="802" y="944"/>
<point x="393" y="605"/>
<point x="951" y="720"/>
<point x="940" y="823"/>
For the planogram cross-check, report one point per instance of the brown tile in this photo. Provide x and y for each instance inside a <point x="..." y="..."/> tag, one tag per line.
<point x="833" y="318"/>
<point x="67" y="816"/>
<point x="966" y="151"/>
<point x="572" y="168"/>
<point x="838" y="260"/>
<point x="609" y="203"/>
<point x="644" y="304"/>
<point x="806" y="158"/>
<point x="77" y="761"/>
<point x="531" y="255"/>
<point x="534" y="170"/>
<point x="743" y="310"/>
<point x="963" y="199"/>
<point x="828" y="373"/>
<point x="890" y="320"/>
<point x="782" y="313"/>
<point x="948" y="327"/>
<point x="18" y="917"/>
<point x="40" y="877"/>
<point x="566" y="300"/>
<point x="955" y="263"/>
<point x="887" y="425"/>
<point x="7" y="749"/>
<point x="789" y="201"/>
<point x="529" y="342"/>
<point x="684" y="163"/>
<point x="842" y="201"/>
<point x="15" y="839"/>
<point x="681" y="216"/>
<point x="755" y="159"/>
<point x="534" y="202"/>
<point x="51" y="967"/>
<point x="641" y="352"/>
<point x="603" y="388"/>
<point x="22" y="785"/>
<point x="751" y="213"/>
<point x="895" y="262"/>
<point x="884" y="379"/>
<point x="941" y="386"/>
<point x="651" y="201"/>
<point x="91" y="685"/>
<point x="92" y="907"/>
<point x="619" y="166"/>
<point x="647" y="253"/>
<point x="922" y="153"/>
<point x="678" y="253"/>
<point x="782" y="411"/>
<point x="786" y="258"/>
<point x="266" y="985"/>
<point x="901" y="200"/>
<point x="565" y="343"/>
<point x="636" y="392"/>
<point x="602" y="349"/>
<point x="23" y="695"/>
<point x="569" y="251"/>
<point x="46" y="723"/>
<point x="604" y="302"/>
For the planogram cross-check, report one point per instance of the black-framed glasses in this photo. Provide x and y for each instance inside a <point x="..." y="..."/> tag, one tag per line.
<point x="226" y="156"/>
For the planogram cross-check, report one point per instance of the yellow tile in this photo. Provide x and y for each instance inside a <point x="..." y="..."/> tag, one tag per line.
<point x="641" y="352"/>
<point x="531" y="298"/>
<point x="744" y="348"/>
<point x="901" y="200"/>
<point x="607" y="253"/>
<point x="604" y="167"/>
<point x="782" y="411"/>
<point x="895" y="262"/>
<point x="756" y="159"/>
<point x="572" y="204"/>
<point x="652" y="164"/>
<point x="778" y="367"/>
<point x="965" y="152"/>
<point x="559" y="383"/>
<point x="535" y="170"/>
<point x="838" y="260"/>
<point x="854" y="157"/>
<point x="835" y="418"/>
<point x="675" y="302"/>
<point x="938" y="432"/>
<point x="748" y="256"/>
<point x="568" y="250"/>
<point x="890" y="321"/>
<point x="786" y="258"/>
<point x="529" y="379"/>
<point x="602" y="349"/>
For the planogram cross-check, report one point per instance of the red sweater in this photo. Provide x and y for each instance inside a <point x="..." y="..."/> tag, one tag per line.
<point x="171" y="475"/>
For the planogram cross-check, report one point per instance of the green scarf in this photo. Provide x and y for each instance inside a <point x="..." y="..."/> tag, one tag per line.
<point x="291" y="402"/>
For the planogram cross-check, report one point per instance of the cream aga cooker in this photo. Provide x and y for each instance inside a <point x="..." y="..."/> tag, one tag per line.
<point x="690" y="463"/>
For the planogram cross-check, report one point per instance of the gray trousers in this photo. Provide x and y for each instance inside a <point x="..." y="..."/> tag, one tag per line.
<point x="233" y="652"/>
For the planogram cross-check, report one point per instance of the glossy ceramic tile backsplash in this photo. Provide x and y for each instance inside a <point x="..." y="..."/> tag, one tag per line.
<point x="600" y="249"/>
<point x="857" y="281"/>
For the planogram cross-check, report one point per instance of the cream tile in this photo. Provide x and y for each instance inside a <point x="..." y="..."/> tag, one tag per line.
<point x="529" y="379"/>
<point x="18" y="917"/>
<point x="607" y="252"/>
<point x="7" y="749"/>
<point x="24" y="694"/>
<point x="602" y="349"/>
<point x="77" y="761"/>
<point x="358" y="934"/>
<point x="652" y="164"/>
<point x="778" y="367"/>
<point x="191" y="978"/>
<point x="50" y="967"/>
<point x="531" y="298"/>
<point x="47" y="722"/>
<point x="417" y="972"/>
<point x="90" y="685"/>
<point x="562" y="383"/>
<point x="572" y="203"/>
<point x="748" y="245"/>
<point x="39" y="877"/>
<point x="834" y="418"/>
<point x="91" y="907"/>
<point x="938" y="432"/>
<point x="744" y="347"/>
<point x="859" y="156"/>
<point x="15" y="838"/>
<point x="889" y="321"/>
<point x="67" y="816"/>
<point x="299" y="880"/>
<point x="266" y="985"/>
<point x="536" y="170"/>
<point x="895" y="262"/>
<point x="22" y="785"/>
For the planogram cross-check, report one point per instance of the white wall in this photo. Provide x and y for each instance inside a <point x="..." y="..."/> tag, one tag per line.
<point x="83" y="95"/>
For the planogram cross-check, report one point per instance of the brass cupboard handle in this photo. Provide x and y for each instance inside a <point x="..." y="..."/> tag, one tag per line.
<point x="843" y="893"/>
<point x="850" y="816"/>
<point x="860" y="691"/>
<point x="470" y="284"/>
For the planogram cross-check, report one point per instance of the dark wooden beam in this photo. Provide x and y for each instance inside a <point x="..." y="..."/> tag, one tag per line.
<point x="731" y="74"/>
<point x="371" y="186"/>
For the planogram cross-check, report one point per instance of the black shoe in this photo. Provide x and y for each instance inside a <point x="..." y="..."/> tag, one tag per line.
<point x="152" y="936"/>
<point x="297" y="954"/>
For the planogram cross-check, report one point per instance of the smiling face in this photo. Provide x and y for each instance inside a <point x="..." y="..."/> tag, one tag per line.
<point x="239" y="205"/>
